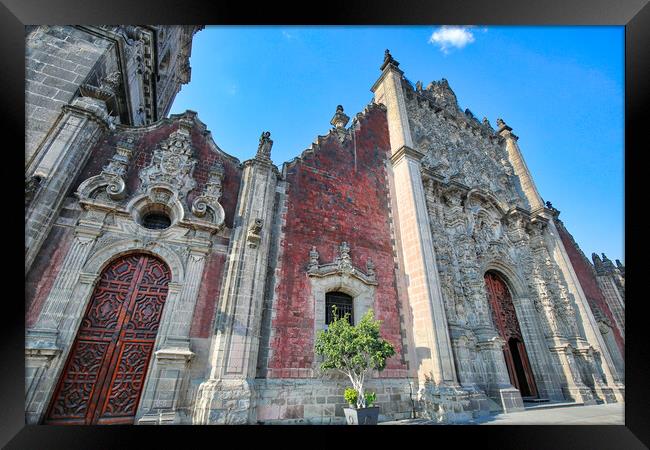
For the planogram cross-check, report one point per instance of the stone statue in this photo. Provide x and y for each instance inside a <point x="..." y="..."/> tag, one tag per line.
<point x="264" y="147"/>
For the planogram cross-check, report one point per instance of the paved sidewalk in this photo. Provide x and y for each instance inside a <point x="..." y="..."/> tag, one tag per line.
<point x="607" y="414"/>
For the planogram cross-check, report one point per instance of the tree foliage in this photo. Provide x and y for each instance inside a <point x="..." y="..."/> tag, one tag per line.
<point x="354" y="350"/>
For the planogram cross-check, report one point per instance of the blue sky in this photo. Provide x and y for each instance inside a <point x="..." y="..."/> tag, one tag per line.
<point x="561" y="89"/>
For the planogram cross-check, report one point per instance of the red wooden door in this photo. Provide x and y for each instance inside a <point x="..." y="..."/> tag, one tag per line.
<point x="102" y="379"/>
<point x="505" y="319"/>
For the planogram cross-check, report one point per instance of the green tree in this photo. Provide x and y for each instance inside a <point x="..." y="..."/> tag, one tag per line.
<point x="354" y="350"/>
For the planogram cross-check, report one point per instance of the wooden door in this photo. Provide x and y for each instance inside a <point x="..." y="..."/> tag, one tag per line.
<point x="505" y="320"/>
<point x="103" y="377"/>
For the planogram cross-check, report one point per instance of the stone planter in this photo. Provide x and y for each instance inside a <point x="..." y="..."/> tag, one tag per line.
<point x="362" y="416"/>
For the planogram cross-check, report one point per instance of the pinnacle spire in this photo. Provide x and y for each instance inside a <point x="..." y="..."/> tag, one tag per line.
<point x="389" y="60"/>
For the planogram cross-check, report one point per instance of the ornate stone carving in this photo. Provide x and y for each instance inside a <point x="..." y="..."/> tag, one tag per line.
<point x="342" y="265"/>
<point x="209" y="200"/>
<point x="313" y="260"/>
<point x="172" y="163"/>
<point x="264" y="147"/>
<point x="339" y="121"/>
<point x="253" y="237"/>
<point x="108" y="87"/>
<point x="343" y="259"/>
<point x="112" y="175"/>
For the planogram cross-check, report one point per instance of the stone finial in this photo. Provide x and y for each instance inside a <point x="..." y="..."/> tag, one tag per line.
<point x="370" y="269"/>
<point x="264" y="147"/>
<point x="598" y="264"/>
<point x="619" y="265"/>
<point x="486" y="123"/>
<point x="343" y="260"/>
<point x="607" y="263"/>
<point x="340" y="119"/>
<point x="553" y="210"/>
<point x="504" y="129"/>
<point x="313" y="259"/>
<point x="388" y="60"/>
<point x="418" y="86"/>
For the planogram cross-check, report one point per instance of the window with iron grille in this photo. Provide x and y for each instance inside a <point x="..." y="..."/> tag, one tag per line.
<point x="343" y="303"/>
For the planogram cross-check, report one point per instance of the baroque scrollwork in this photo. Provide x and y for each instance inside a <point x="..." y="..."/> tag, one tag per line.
<point x="112" y="175"/>
<point x="342" y="265"/>
<point x="208" y="201"/>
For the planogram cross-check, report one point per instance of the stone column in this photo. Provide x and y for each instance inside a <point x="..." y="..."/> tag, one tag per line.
<point x="64" y="154"/>
<point x="439" y="387"/>
<point x="228" y="397"/>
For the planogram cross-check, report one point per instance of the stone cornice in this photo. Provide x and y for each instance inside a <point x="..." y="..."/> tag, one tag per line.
<point x="405" y="152"/>
<point x="389" y="68"/>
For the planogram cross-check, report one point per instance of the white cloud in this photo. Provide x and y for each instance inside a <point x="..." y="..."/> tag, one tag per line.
<point x="288" y="36"/>
<point x="447" y="37"/>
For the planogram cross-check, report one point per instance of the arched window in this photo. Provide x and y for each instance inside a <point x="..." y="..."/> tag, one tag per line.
<point x="343" y="303"/>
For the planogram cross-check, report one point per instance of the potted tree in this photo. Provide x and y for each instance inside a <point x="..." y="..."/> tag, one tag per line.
<point x="355" y="350"/>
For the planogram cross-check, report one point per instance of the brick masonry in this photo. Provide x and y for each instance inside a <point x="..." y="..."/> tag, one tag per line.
<point x="338" y="193"/>
<point x="585" y="272"/>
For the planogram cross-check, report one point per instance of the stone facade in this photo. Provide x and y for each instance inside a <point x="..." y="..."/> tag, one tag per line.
<point x="408" y="210"/>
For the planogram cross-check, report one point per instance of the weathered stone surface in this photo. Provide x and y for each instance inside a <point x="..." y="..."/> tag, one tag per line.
<point x="405" y="211"/>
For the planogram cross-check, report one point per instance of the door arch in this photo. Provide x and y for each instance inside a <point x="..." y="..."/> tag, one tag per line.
<point x="102" y="379"/>
<point x="507" y="324"/>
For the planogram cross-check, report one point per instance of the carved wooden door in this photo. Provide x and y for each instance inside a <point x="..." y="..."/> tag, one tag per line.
<point x="102" y="379"/>
<point x="505" y="319"/>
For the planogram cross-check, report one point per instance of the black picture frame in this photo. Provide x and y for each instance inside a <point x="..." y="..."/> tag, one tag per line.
<point x="633" y="14"/>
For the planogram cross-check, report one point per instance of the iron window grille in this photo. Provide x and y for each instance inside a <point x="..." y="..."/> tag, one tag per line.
<point x="343" y="303"/>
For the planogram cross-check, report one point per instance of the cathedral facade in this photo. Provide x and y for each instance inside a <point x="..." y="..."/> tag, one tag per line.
<point x="167" y="282"/>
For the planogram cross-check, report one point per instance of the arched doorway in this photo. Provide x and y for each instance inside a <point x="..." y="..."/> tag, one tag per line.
<point x="103" y="377"/>
<point x="505" y="319"/>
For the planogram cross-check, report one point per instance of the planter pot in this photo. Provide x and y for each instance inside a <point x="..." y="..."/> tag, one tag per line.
<point x="362" y="416"/>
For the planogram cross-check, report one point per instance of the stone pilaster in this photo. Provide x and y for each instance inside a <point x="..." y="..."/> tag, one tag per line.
<point x="228" y="395"/>
<point x="520" y="167"/>
<point x="63" y="155"/>
<point x="161" y="403"/>
<point x="587" y="320"/>
<point x="574" y="388"/>
<point x="499" y="387"/>
<point x="439" y="392"/>
<point x="45" y="342"/>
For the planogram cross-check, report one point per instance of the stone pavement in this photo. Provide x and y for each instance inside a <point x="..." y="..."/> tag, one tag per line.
<point x="606" y="414"/>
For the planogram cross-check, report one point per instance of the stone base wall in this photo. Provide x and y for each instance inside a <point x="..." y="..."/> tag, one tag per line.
<point x="316" y="401"/>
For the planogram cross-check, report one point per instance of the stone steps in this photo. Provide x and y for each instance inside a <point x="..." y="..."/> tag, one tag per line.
<point x="549" y="405"/>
